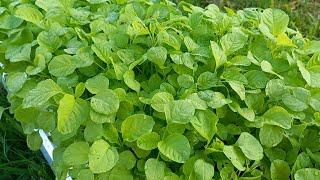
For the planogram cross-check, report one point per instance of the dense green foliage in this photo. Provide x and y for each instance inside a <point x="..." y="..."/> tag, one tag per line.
<point x="140" y="89"/>
<point x="16" y="160"/>
<point x="304" y="14"/>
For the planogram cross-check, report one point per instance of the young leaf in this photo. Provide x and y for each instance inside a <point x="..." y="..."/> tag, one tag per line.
<point x="148" y="141"/>
<point x="66" y="121"/>
<point x="61" y="65"/>
<point x="203" y="170"/>
<point x="105" y="102"/>
<point x="235" y="155"/>
<point x="280" y="170"/>
<point x="250" y="146"/>
<point x="41" y="94"/>
<point x="307" y="173"/>
<point x="97" y="84"/>
<point x="102" y="157"/>
<point x="34" y="141"/>
<point x="157" y="55"/>
<point x="218" y="54"/>
<point x="180" y="111"/>
<point x="270" y="135"/>
<point x="160" y="100"/>
<point x="29" y="13"/>
<point x="129" y="79"/>
<point x="205" y="122"/>
<point x="176" y="147"/>
<point x="76" y="153"/>
<point x="278" y="116"/>
<point x="154" y="169"/>
<point x="276" y="20"/>
<point x="135" y="126"/>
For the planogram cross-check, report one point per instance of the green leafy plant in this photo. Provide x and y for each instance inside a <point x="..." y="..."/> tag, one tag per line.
<point x="155" y="90"/>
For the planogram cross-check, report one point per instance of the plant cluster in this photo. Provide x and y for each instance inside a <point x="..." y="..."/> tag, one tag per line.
<point x="154" y="90"/>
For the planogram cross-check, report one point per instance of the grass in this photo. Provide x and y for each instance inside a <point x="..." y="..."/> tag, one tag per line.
<point x="16" y="160"/>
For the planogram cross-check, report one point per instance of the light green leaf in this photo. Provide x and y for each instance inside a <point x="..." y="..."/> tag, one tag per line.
<point x="148" y="141"/>
<point x="250" y="146"/>
<point x="160" y="100"/>
<point x="279" y="170"/>
<point x="110" y="133"/>
<point x="304" y="72"/>
<point x="207" y="80"/>
<point x="157" y="55"/>
<point x="179" y="111"/>
<point x="203" y="170"/>
<point x="129" y="79"/>
<point x="76" y="153"/>
<point x="105" y="102"/>
<point x="101" y="118"/>
<point x="40" y="65"/>
<point x="154" y="169"/>
<point x="84" y="57"/>
<point x="239" y="88"/>
<point x="61" y="65"/>
<point x="191" y="45"/>
<point x="49" y="40"/>
<point x="175" y="147"/>
<point x="276" y="20"/>
<point x="96" y="1"/>
<point x="307" y="173"/>
<point x="102" y="157"/>
<point x="135" y="126"/>
<point x="218" y="54"/>
<point x="218" y="100"/>
<point x="120" y="173"/>
<point x="8" y="21"/>
<point x="247" y="113"/>
<point x="15" y="81"/>
<point x="102" y="50"/>
<point x="66" y="122"/>
<point x="71" y="113"/>
<point x="97" y="84"/>
<point x="275" y="89"/>
<point x="233" y="41"/>
<point x="314" y="76"/>
<point x="267" y="67"/>
<point x="80" y="88"/>
<point x="85" y="174"/>
<point x="34" y="141"/>
<point x="278" y="116"/>
<point x="302" y="161"/>
<point x="315" y="101"/>
<point x="29" y="13"/>
<point x="93" y="131"/>
<point x="270" y="135"/>
<point x="185" y="80"/>
<point x="41" y="94"/>
<point x="18" y="53"/>
<point x="170" y="39"/>
<point x="236" y="157"/>
<point x="126" y="160"/>
<point x="197" y="102"/>
<point x="298" y="100"/>
<point x="205" y="122"/>
<point x="256" y="79"/>
<point x="26" y="115"/>
<point x="46" y="4"/>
